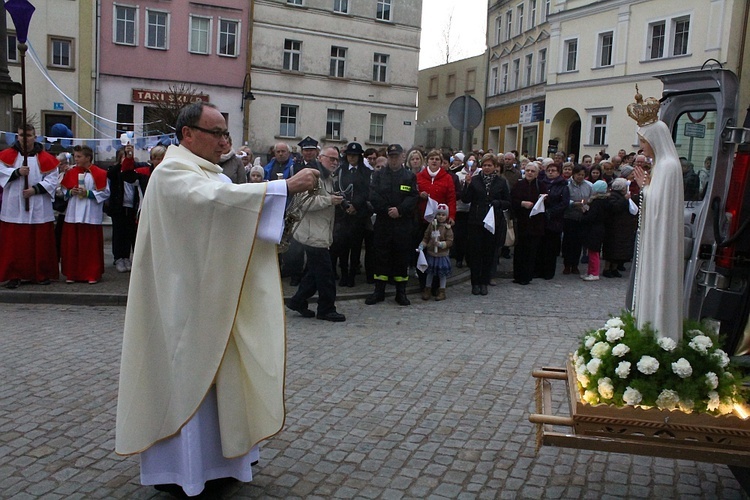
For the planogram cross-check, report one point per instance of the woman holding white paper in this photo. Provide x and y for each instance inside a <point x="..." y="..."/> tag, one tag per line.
<point x="489" y="195"/>
<point x="529" y="228"/>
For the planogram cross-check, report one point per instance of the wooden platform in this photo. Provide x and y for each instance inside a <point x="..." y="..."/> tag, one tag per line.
<point x="652" y="432"/>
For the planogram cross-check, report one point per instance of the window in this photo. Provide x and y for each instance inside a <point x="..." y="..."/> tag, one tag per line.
<point x="532" y="13"/>
<point x="528" y="66"/>
<point x="341" y="6"/>
<point x="547" y="4"/>
<point x="338" y="62"/>
<point x="333" y="124"/>
<point x="657" y="34"/>
<point x="125" y="116"/>
<point x="228" y="38"/>
<point x="61" y="52"/>
<point x="294" y="2"/>
<point x="377" y="128"/>
<point x="451" y="87"/>
<point x="504" y="84"/>
<point x="447" y="137"/>
<point x="12" y="48"/>
<point x="156" y="29"/>
<point x="681" y="32"/>
<point x="498" y="29"/>
<point x="125" y="26"/>
<point x="571" y="55"/>
<point x="288" y="121"/>
<point x="431" y="138"/>
<point x="494" y="89"/>
<point x="433" y="86"/>
<point x="599" y="130"/>
<point x="292" y="54"/>
<point x="542" y="75"/>
<point x="51" y="119"/>
<point x="605" y="49"/>
<point x="384" y="10"/>
<point x="508" y="24"/>
<point x="380" y="68"/>
<point x="471" y="80"/>
<point x="519" y="12"/>
<point x="200" y="34"/>
<point x="516" y="73"/>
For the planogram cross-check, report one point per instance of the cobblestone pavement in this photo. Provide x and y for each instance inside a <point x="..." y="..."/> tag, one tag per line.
<point x="427" y="401"/>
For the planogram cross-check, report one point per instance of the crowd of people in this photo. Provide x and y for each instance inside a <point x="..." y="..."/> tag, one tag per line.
<point x="381" y="206"/>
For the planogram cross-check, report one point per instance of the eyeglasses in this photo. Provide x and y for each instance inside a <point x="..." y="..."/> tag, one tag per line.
<point x="332" y="158"/>
<point x="218" y="134"/>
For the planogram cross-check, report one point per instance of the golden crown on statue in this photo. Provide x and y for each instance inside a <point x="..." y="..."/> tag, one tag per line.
<point x="643" y="111"/>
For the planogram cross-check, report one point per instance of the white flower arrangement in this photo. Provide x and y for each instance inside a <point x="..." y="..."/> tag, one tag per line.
<point x="621" y="364"/>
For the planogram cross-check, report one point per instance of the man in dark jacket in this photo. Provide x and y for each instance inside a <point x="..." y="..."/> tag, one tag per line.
<point x="394" y="196"/>
<point x="529" y="229"/>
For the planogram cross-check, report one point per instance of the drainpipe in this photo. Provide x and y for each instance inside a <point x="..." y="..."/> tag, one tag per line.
<point x="97" y="61"/>
<point x="248" y="68"/>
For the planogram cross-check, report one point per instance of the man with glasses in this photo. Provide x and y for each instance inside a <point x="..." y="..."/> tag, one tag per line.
<point x="315" y="234"/>
<point x="202" y="375"/>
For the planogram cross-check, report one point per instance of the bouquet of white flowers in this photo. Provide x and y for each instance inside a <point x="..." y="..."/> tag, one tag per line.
<point x="622" y="365"/>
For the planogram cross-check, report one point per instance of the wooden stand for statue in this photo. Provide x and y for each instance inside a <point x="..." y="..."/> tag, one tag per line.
<point x="653" y="432"/>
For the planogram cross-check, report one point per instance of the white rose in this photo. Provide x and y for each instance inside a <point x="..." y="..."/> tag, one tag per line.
<point x="632" y="396"/>
<point x="615" y="322"/>
<point x="591" y="397"/>
<point x="687" y="406"/>
<point x="581" y="369"/>
<point x="620" y="350"/>
<point x="623" y="369"/>
<point x="614" y="334"/>
<point x="712" y="380"/>
<point x="583" y="379"/>
<point x="722" y="357"/>
<point x="648" y="365"/>
<point x="589" y="342"/>
<point x="682" y="368"/>
<point x="667" y="399"/>
<point x="605" y="388"/>
<point x="701" y="343"/>
<point x="713" y="401"/>
<point x="600" y="350"/>
<point x="593" y="365"/>
<point x="666" y="343"/>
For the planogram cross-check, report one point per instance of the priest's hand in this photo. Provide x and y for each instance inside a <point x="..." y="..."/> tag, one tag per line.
<point x="24" y="171"/>
<point x="304" y="180"/>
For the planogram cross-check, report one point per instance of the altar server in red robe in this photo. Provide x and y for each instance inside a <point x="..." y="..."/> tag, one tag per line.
<point x="86" y="188"/>
<point x="27" y="232"/>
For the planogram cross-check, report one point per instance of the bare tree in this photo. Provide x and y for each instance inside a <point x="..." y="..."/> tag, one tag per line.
<point x="449" y="42"/>
<point x="161" y="117"/>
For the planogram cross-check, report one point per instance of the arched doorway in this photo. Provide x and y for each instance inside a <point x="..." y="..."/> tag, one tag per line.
<point x="566" y="130"/>
<point x="574" y="139"/>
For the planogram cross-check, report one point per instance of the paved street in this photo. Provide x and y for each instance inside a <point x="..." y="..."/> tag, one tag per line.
<point x="430" y="400"/>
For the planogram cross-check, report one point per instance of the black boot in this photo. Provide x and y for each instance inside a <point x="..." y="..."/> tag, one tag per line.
<point x="378" y="295"/>
<point x="401" y="298"/>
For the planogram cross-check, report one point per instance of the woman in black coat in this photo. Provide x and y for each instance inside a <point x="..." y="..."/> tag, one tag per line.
<point x="529" y="230"/>
<point x="620" y="228"/>
<point x="486" y="189"/>
<point x="557" y="200"/>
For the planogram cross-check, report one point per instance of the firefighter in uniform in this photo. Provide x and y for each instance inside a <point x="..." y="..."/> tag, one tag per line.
<point x="394" y="196"/>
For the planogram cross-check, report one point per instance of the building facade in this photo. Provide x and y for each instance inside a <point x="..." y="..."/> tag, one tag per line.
<point x="439" y="86"/>
<point x="335" y="70"/>
<point x="599" y="51"/>
<point x="59" y="64"/>
<point x="517" y="65"/>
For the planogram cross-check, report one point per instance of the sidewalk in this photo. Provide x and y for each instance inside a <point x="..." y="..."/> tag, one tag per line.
<point x="112" y="290"/>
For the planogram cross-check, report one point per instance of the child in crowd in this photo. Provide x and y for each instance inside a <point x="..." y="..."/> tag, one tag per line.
<point x="256" y="174"/>
<point x="86" y="187"/>
<point x="595" y="219"/>
<point x="438" y="238"/>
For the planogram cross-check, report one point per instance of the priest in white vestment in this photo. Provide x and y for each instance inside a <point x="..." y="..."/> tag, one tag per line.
<point x="203" y="357"/>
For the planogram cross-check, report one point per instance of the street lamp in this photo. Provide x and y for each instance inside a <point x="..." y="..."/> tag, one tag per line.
<point x="21" y="11"/>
